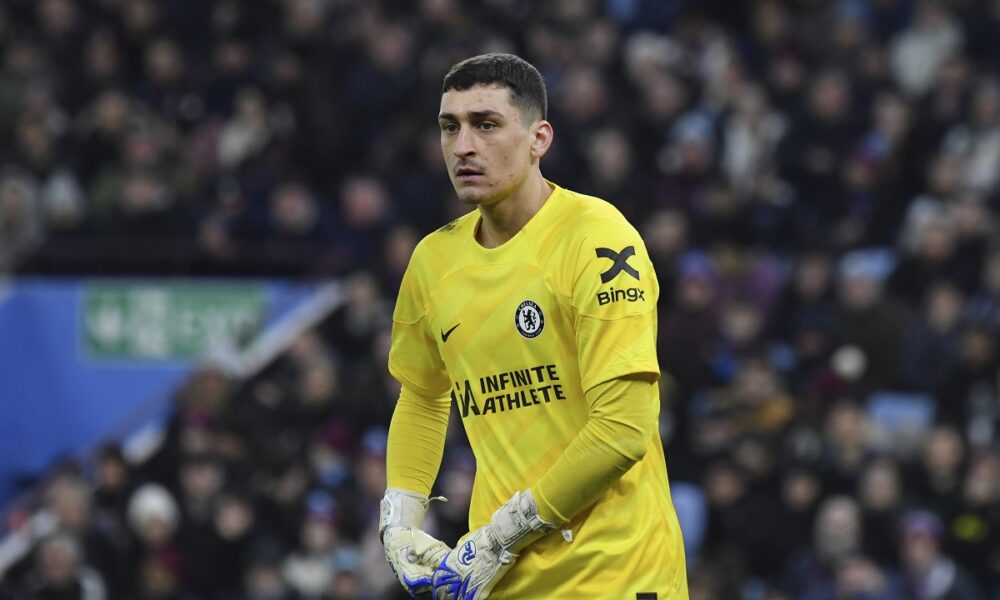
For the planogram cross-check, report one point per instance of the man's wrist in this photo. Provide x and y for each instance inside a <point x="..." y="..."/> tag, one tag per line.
<point x="401" y="508"/>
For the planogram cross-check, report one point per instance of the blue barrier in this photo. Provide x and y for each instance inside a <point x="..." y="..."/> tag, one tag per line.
<point x="79" y="357"/>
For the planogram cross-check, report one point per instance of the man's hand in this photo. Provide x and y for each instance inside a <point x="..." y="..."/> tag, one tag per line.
<point x="411" y="553"/>
<point x="484" y="556"/>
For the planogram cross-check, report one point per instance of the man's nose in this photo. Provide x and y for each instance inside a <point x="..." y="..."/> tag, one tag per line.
<point x="463" y="143"/>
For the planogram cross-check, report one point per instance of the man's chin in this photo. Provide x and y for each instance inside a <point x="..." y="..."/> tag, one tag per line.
<point x="478" y="194"/>
<point x="472" y="197"/>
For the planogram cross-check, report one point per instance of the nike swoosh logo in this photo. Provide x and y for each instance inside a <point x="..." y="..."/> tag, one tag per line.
<point x="447" y="334"/>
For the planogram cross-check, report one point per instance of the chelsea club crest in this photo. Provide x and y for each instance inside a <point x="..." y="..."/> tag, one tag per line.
<point x="528" y="319"/>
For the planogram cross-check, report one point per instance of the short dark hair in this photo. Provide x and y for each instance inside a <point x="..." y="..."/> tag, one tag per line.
<point x="527" y="88"/>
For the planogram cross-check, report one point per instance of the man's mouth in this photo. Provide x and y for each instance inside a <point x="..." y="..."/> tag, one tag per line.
<point x="467" y="173"/>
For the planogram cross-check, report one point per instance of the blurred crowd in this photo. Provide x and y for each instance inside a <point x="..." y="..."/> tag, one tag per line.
<point x="816" y="181"/>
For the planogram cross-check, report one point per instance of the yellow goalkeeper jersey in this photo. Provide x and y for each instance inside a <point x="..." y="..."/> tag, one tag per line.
<point x="516" y="334"/>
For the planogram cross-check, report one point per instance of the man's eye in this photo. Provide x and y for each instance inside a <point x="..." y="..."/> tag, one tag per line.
<point x="487" y="126"/>
<point x="449" y="128"/>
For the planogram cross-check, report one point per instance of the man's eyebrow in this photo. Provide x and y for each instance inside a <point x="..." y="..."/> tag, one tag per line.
<point x="473" y="114"/>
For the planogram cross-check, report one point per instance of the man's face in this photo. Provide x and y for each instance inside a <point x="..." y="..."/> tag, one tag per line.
<point x="488" y="147"/>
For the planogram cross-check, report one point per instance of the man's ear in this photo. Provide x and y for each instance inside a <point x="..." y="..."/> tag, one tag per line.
<point x="541" y="138"/>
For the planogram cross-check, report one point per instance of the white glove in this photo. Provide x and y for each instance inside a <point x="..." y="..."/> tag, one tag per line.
<point x="411" y="553"/>
<point x="483" y="557"/>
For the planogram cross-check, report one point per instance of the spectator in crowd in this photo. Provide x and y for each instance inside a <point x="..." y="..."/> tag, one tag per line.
<point x="309" y="570"/>
<point x="234" y="520"/>
<point x="837" y="537"/>
<point x="860" y="578"/>
<point x="928" y="572"/>
<point x="937" y="477"/>
<point x="61" y="572"/>
<point x="21" y="218"/>
<point x="931" y="346"/>
<point x="154" y="518"/>
<point x="973" y="528"/>
<point x="263" y="580"/>
<point x="869" y="319"/>
<point x="100" y="543"/>
<point x="881" y="494"/>
<point x="847" y="448"/>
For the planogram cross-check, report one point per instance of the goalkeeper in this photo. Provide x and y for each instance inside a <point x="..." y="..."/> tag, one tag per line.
<point x="536" y="315"/>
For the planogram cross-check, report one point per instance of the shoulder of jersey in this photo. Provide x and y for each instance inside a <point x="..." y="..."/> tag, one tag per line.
<point x="447" y="238"/>
<point x="588" y="212"/>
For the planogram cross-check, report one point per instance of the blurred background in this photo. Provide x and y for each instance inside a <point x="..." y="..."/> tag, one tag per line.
<point x="206" y="208"/>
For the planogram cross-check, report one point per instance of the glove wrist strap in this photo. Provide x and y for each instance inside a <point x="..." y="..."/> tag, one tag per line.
<point x="401" y="508"/>
<point x="517" y="524"/>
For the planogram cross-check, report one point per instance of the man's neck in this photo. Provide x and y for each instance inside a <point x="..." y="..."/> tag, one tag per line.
<point x="501" y="220"/>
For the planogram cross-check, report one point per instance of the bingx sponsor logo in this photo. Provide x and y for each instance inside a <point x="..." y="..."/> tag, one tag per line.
<point x="620" y="260"/>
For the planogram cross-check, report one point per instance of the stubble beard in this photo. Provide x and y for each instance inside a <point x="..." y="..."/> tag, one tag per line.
<point x="474" y="196"/>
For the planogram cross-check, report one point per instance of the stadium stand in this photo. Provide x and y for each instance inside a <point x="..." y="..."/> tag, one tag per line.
<point x="817" y="183"/>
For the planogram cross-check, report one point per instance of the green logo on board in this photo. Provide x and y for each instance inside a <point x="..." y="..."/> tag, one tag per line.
<point x="168" y="321"/>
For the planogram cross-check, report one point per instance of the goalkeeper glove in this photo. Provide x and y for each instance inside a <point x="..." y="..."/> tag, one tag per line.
<point x="484" y="556"/>
<point x="411" y="553"/>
